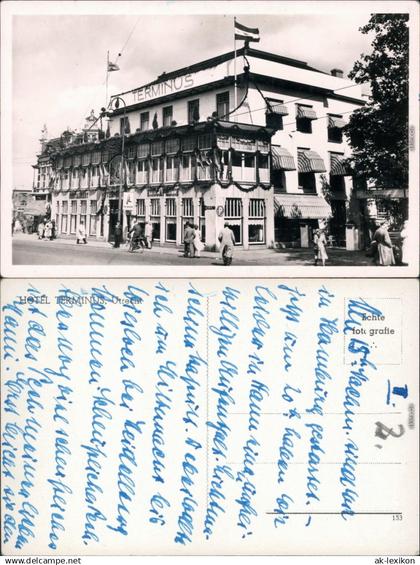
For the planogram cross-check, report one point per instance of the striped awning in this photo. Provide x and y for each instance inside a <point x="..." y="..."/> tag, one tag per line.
<point x="301" y="206"/>
<point x="305" y="112"/>
<point x="338" y="166"/>
<point x="310" y="162"/>
<point x="282" y="160"/>
<point x="336" y="122"/>
<point x="278" y="108"/>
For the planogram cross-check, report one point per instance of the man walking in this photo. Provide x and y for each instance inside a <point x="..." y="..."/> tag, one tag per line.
<point x="227" y="242"/>
<point x="118" y="234"/>
<point x="189" y="235"/>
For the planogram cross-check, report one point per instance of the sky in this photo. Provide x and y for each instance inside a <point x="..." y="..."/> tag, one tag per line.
<point x="59" y="61"/>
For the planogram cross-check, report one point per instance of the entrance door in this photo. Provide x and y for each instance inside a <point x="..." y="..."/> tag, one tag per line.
<point x="113" y="219"/>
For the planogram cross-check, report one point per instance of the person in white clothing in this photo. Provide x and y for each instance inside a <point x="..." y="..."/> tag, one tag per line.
<point x="81" y="233"/>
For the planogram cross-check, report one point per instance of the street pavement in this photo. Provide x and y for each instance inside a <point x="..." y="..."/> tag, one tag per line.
<point x="28" y="250"/>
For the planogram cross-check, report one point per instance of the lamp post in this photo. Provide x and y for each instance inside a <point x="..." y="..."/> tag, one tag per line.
<point x="115" y="101"/>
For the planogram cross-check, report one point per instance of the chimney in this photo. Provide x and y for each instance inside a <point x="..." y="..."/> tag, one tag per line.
<point x="337" y="73"/>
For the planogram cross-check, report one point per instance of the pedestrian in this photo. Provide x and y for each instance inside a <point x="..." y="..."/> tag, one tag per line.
<point x="137" y="237"/>
<point x="148" y="231"/>
<point x="117" y="235"/>
<point x="320" y="244"/>
<point x="13" y="225"/>
<point x="41" y="228"/>
<point x="198" y="244"/>
<point x="404" y="246"/>
<point x="189" y="235"/>
<point x="227" y="242"/>
<point x="48" y="230"/>
<point x="384" y="254"/>
<point x="81" y="233"/>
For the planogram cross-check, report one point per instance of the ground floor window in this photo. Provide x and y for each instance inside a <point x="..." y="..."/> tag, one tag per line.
<point x="93" y="217"/>
<point x="155" y="218"/>
<point x="256" y="220"/>
<point x="202" y="220"/>
<point x="170" y="219"/>
<point x="233" y="216"/>
<point x="83" y="212"/>
<point x="73" y="216"/>
<point x="187" y="211"/>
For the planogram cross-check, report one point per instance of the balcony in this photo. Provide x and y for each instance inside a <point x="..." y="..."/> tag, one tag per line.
<point x="244" y="174"/>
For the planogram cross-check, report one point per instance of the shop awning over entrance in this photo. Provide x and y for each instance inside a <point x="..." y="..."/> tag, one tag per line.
<point x="310" y="162"/>
<point x="282" y="160"/>
<point x="301" y="206"/>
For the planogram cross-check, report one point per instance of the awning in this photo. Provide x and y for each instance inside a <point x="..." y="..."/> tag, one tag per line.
<point x="278" y="108"/>
<point x="282" y="160"/>
<point x="338" y="166"/>
<point x="301" y="206"/>
<point x="305" y="112"/>
<point x="310" y="162"/>
<point x="335" y="122"/>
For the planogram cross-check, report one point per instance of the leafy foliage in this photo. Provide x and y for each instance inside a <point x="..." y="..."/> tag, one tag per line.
<point x="378" y="132"/>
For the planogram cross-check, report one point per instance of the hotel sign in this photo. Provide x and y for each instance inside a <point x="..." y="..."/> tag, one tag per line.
<point x="159" y="89"/>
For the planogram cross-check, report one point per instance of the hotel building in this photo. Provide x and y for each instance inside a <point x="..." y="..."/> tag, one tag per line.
<point x="268" y="158"/>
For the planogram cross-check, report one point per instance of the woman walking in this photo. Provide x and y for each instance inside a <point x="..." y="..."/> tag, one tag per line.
<point x="320" y="244"/>
<point x="198" y="244"/>
<point x="384" y="254"/>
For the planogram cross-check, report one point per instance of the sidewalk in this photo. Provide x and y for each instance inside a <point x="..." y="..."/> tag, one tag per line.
<point x="260" y="256"/>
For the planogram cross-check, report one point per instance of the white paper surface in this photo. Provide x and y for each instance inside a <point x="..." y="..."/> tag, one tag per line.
<point x="209" y="417"/>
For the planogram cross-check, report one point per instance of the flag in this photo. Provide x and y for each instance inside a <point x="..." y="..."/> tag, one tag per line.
<point x="245" y="33"/>
<point x="112" y="67"/>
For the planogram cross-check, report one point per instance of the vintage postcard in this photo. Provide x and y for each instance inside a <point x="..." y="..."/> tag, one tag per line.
<point x="236" y="417"/>
<point x="165" y="138"/>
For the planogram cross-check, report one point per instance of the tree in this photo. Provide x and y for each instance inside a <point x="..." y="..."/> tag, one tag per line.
<point x="378" y="132"/>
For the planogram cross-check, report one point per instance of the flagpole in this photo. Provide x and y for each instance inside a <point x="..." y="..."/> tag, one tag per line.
<point x="107" y="73"/>
<point x="234" y="63"/>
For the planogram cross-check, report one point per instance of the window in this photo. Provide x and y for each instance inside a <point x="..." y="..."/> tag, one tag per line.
<point x="202" y="219"/>
<point x="189" y="143"/>
<point x="167" y="116"/>
<point x="64" y="216"/>
<point x="304" y="116"/>
<point x="131" y="152"/>
<point x="93" y="219"/>
<point x="233" y="215"/>
<point x="243" y="166"/>
<point x="222" y="104"/>
<point x="156" y="170"/>
<point x="304" y="125"/>
<point x="143" y="150"/>
<point x="170" y="219"/>
<point x="155" y="218"/>
<point x="278" y="179"/>
<point x="275" y="112"/>
<point x="141" y="207"/>
<point x="193" y="111"/>
<point x="142" y="171"/>
<point x="124" y="125"/>
<point x="187" y="171"/>
<point x="172" y="145"/>
<point x="307" y="182"/>
<point x="205" y="141"/>
<point x="172" y="166"/>
<point x="256" y="223"/>
<point x="157" y="148"/>
<point x="187" y="208"/>
<point x="144" y="121"/>
<point x="73" y="216"/>
<point x="335" y="132"/>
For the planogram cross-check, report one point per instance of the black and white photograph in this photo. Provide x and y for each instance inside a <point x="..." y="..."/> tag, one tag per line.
<point x="255" y="138"/>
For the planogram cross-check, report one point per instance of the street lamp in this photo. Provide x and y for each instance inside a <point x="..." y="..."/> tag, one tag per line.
<point x="115" y="101"/>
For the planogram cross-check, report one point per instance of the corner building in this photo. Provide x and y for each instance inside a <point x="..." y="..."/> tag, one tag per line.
<point x="272" y="167"/>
